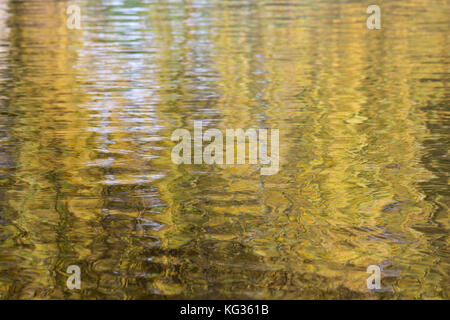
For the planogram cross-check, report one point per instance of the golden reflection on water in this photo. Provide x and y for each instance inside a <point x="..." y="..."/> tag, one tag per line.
<point x="86" y="176"/>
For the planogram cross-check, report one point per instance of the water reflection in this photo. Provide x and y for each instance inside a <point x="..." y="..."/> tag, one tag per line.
<point x="85" y="171"/>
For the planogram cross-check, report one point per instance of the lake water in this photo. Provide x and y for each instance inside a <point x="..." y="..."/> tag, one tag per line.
<point x="86" y="176"/>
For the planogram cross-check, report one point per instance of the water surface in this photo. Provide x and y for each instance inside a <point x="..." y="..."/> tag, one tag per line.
<point x="86" y="176"/>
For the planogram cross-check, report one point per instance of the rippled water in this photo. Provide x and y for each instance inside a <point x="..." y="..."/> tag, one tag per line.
<point x="86" y="176"/>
